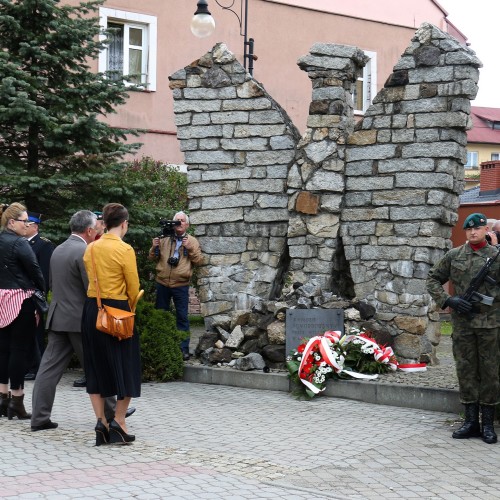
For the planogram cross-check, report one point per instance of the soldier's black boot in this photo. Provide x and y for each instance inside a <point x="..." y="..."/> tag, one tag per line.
<point x="470" y="427"/>
<point x="487" y="416"/>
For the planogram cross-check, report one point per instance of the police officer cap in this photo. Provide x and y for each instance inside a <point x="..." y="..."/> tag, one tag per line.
<point x="35" y="217"/>
<point x="99" y="215"/>
<point x="475" y="220"/>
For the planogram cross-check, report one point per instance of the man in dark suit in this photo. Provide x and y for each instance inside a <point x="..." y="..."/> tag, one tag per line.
<point x="43" y="248"/>
<point x="68" y="282"/>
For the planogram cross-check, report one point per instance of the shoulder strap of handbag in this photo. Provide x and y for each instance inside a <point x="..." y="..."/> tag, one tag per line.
<point x="99" y="304"/>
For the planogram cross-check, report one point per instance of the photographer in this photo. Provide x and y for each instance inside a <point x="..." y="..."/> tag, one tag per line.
<point x="493" y="236"/>
<point x="176" y="252"/>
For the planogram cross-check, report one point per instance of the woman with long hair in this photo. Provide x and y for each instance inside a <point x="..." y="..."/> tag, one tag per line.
<point x="19" y="278"/>
<point x="112" y="366"/>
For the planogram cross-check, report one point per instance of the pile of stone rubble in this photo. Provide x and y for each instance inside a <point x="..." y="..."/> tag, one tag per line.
<point x="255" y="339"/>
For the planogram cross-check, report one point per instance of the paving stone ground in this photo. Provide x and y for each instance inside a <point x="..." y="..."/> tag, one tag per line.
<point x="198" y="441"/>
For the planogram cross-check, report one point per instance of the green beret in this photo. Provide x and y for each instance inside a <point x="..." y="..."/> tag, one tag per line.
<point x="475" y="220"/>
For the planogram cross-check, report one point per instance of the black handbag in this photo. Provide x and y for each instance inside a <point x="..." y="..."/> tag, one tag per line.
<point x="40" y="301"/>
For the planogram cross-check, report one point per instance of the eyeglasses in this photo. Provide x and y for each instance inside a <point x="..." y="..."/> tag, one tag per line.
<point x="26" y="222"/>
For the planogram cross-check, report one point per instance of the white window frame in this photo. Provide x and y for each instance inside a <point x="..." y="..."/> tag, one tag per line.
<point x="149" y="26"/>
<point x="496" y="155"/>
<point x="369" y="79"/>
<point x="472" y="159"/>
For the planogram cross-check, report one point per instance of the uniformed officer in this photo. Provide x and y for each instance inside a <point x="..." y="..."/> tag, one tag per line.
<point x="476" y="326"/>
<point x="101" y="227"/>
<point x="43" y="248"/>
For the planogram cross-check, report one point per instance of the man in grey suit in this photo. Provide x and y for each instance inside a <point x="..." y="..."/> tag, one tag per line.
<point x="69" y="284"/>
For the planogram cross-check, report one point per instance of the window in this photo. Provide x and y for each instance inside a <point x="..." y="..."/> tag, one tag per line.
<point x="131" y="49"/>
<point x="495" y="156"/>
<point x="472" y="159"/>
<point x="366" y="85"/>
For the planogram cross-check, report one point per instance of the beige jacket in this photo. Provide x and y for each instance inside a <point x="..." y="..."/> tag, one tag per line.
<point x="180" y="275"/>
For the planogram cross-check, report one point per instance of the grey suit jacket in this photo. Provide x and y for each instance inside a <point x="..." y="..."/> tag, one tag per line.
<point x="69" y="282"/>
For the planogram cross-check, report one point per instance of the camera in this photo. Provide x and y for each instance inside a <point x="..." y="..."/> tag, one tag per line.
<point x="173" y="261"/>
<point x="488" y="237"/>
<point x="168" y="227"/>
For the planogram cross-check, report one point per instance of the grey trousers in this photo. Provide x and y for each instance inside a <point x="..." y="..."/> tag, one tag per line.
<point x="55" y="360"/>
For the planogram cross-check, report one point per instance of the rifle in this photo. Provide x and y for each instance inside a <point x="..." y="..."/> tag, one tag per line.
<point x="471" y="294"/>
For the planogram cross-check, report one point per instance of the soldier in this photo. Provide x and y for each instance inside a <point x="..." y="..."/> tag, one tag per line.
<point x="476" y="327"/>
<point x="43" y="248"/>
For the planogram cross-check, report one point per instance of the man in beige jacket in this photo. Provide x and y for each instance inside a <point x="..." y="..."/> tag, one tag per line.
<point x="176" y="256"/>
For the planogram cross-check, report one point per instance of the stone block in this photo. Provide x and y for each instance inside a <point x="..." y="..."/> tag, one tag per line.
<point x="276" y="332"/>
<point x="326" y="181"/>
<point x="307" y="203"/>
<point x="362" y="137"/>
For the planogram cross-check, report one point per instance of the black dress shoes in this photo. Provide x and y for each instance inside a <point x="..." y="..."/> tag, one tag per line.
<point x="45" y="426"/>
<point x="130" y="411"/>
<point x="80" y="382"/>
<point x="117" y="435"/>
<point x="30" y="376"/>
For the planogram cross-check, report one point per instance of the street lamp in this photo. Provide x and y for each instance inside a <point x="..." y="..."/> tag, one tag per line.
<point x="203" y="25"/>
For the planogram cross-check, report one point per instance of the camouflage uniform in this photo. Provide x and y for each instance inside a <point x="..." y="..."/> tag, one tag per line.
<point x="476" y="340"/>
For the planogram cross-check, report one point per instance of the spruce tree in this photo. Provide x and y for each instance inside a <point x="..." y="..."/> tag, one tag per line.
<point x="57" y="154"/>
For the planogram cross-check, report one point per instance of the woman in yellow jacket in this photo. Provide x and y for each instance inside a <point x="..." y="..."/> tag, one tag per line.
<point x="112" y="366"/>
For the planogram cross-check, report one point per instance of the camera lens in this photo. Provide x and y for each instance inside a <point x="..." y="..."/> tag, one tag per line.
<point x="173" y="261"/>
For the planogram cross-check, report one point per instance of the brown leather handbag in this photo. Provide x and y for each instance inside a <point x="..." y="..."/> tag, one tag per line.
<point x="111" y="320"/>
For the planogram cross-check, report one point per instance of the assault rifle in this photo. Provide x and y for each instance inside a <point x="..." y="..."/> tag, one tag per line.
<point x="471" y="294"/>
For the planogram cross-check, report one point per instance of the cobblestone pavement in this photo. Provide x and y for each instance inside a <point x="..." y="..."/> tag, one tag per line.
<point x="199" y="441"/>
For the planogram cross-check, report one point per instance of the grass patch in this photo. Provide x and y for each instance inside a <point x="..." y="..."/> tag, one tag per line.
<point x="446" y="328"/>
<point x="196" y="320"/>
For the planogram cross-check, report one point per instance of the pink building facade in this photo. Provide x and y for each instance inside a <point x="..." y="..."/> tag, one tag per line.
<point x="155" y="40"/>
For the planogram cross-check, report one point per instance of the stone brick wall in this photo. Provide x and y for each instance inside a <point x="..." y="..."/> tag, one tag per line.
<point x="239" y="145"/>
<point x="362" y="210"/>
<point x="404" y="173"/>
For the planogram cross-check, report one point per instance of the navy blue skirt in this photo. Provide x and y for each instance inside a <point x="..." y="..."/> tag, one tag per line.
<point x="112" y="366"/>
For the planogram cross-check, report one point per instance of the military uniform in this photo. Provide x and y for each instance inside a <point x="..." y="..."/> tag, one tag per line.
<point x="476" y="334"/>
<point x="43" y="249"/>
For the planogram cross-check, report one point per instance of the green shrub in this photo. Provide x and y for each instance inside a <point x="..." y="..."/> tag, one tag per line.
<point x="161" y="355"/>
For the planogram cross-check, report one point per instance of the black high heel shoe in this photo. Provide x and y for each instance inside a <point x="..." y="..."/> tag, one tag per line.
<point x="117" y="435"/>
<point x="101" y="433"/>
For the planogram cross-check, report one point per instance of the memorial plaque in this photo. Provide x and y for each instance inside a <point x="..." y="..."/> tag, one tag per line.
<point x="308" y="323"/>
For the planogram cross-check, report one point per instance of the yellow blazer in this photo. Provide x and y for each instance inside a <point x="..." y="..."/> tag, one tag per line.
<point x="116" y="268"/>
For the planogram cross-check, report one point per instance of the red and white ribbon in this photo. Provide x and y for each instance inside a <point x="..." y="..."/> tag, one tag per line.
<point x="336" y="361"/>
<point x="322" y="343"/>
<point x="413" y="367"/>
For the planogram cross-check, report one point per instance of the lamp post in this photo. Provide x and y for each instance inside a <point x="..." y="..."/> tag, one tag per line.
<point x="203" y="25"/>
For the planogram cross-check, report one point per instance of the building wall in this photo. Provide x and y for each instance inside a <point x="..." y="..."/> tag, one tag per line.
<point x="283" y="31"/>
<point x="484" y="150"/>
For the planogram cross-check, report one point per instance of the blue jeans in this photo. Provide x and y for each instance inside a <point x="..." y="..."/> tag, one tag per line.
<point x="180" y="296"/>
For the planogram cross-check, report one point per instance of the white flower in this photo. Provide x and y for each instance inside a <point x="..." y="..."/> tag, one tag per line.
<point x="299" y="358"/>
<point x="317" y="357"/>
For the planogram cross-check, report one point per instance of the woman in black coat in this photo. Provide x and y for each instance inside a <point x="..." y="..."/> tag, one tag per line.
<point x="20" y="275"/>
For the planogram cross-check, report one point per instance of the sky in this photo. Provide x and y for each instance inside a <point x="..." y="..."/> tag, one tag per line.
<point x="478" y="21"/>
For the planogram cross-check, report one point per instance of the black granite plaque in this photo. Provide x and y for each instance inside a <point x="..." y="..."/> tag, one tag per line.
<point x="308" y="323"/>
